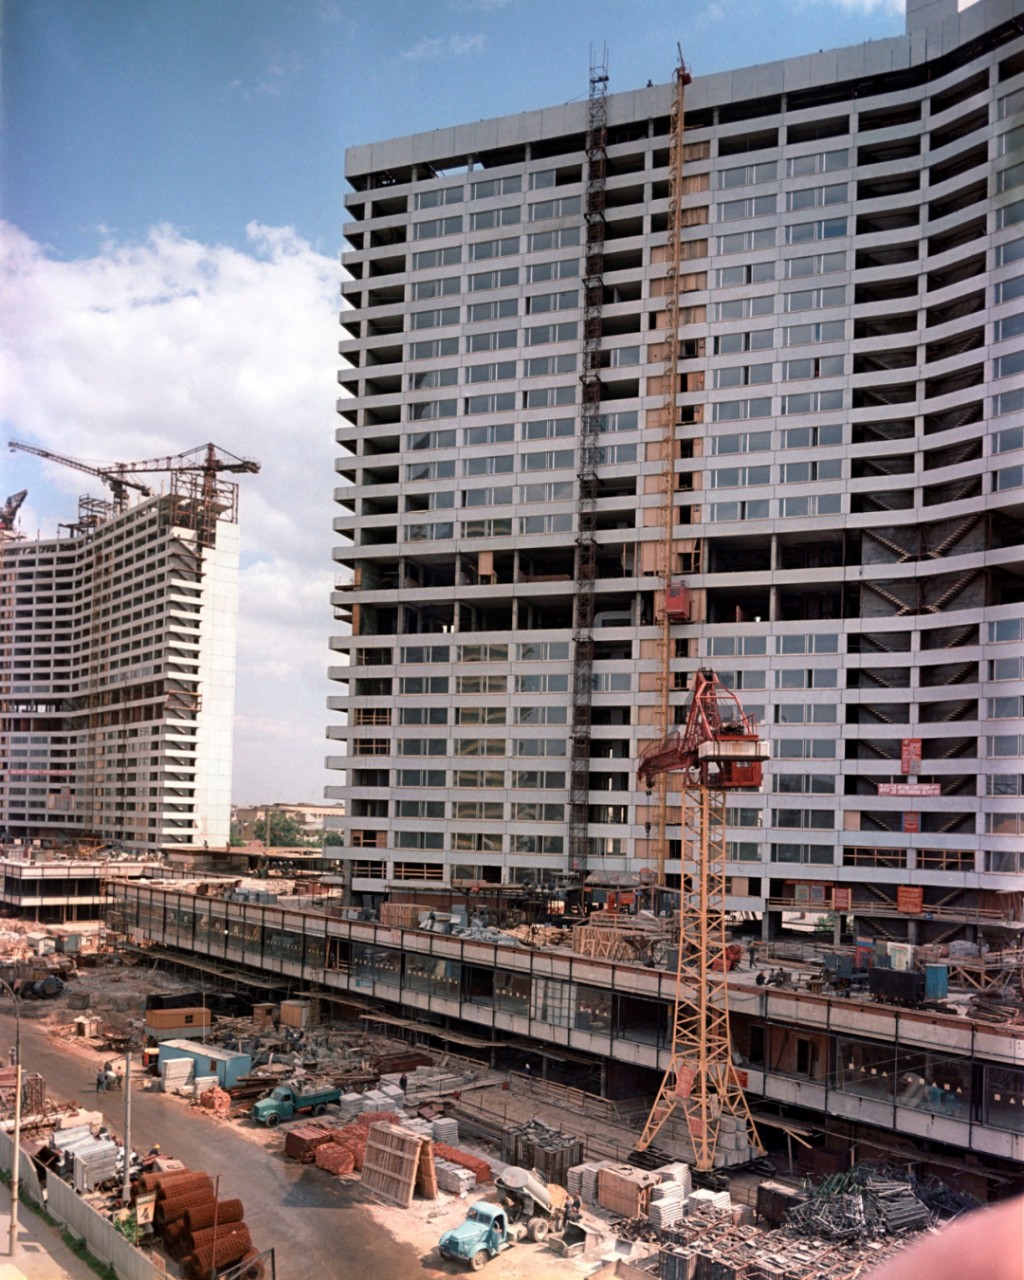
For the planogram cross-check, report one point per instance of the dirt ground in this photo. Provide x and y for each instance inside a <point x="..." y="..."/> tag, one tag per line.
<point x="117" y="995"/>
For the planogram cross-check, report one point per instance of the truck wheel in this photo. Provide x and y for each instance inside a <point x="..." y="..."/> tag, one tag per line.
<point x="537" y="1229"/>
<point x="319" y="1109"/>
<point x="273" y="1120"/>
<point x="478" y="1260"/>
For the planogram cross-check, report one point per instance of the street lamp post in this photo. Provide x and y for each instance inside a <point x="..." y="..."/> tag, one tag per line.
<point x="15" y="1188"/>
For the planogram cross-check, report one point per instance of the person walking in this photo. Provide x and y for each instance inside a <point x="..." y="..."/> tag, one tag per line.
<point x="119" y="1078"/>
<point x="528" y="1072"/>
<point x="403" y="1082"/>
<point x="752" y="953"/>
<point x="101" y="1081"/>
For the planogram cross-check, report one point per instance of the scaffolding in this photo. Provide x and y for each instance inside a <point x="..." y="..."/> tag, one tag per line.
<point x="586" y="475"/>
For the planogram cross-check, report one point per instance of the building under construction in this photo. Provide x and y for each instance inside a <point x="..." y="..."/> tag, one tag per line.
<point x="118" y="675"/>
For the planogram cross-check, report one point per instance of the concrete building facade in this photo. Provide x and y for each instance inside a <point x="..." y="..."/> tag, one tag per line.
<point x="844" y="484"/>
<point x="117" y="679"/>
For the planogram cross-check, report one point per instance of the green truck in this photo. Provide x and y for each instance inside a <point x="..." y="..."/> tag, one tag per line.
<point x="288" y="1100"/>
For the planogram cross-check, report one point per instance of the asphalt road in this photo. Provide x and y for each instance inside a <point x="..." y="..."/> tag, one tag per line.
<point x="314" y="1222"/>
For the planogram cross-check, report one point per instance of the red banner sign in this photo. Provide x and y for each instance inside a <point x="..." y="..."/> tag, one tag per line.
<point x="909" y="899"/>
<point x="910" y="755"/>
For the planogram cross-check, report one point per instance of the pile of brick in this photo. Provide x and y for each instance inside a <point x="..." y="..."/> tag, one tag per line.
<point x="301" y="1143"/>
<point x="479" y="1167"/>
<point x="351" y="1141"/>
<point x="217" y="1101"/>
<point x="335" y="1158"/>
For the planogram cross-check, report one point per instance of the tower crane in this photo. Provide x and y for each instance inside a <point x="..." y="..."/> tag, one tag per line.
<point x="10" y="509"/>
<point x="112" y="475"/>
<point x="717" y="752"/>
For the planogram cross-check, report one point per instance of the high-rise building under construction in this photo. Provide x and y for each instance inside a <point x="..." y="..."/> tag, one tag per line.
<point x="716" y="374"/>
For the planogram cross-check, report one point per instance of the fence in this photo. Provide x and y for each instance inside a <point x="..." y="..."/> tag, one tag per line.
<point x="101" y="1237"/>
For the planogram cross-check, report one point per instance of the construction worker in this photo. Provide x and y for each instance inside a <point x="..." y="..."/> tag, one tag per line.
<point x="752" y="953"/>
<point x="101" y="1082"/>
<point x="119" y="1081"/>
<point x="403" y="1082"/>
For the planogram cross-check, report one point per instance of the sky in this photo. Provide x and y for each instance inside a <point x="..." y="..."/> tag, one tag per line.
<point x="171" y="214"/>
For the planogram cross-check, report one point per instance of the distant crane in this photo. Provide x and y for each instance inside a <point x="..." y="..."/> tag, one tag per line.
<point x="717" y="752"/>
<point x="10" y="509"/>
<point x="112" y="475"/>
<point x="193" y="478"/>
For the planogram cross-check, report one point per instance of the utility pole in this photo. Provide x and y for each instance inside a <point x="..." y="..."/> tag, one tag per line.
<point x="126" y="1191"/>
<point x="15" y="1188"/>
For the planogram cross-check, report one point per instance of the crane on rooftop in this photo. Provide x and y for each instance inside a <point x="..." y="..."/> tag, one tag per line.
<point x="717" y="752"/>
<point x="10" y="509"/>
<point x="112" y="474"/>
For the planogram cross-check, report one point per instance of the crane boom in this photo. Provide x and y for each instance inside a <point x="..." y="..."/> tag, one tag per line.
<point x="205" y="457"/>
<point x="113" y="474"/>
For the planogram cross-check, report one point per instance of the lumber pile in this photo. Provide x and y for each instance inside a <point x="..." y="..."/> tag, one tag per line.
<point x="301" y="1142"/>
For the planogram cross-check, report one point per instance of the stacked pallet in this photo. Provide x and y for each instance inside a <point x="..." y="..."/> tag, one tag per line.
<point x="454" y="1177"/>
<point x="350" y="1105"/>
<point x="668" y="1203"/>
<point x="391" y="1162"/>
<point x="625" y="1190"/>
<point x="535" y="1145"/>
<point x="581" y="1180"/>
<point x="401" y="915"/>
<point x="175" y="1073"/>
<point x="301" y="1143"/>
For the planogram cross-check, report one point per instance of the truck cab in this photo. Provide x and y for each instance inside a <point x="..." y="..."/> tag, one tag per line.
<point x="481" y="1237"/>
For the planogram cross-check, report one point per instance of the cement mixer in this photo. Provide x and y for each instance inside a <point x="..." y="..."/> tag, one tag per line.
<point x="527" y="1209"/>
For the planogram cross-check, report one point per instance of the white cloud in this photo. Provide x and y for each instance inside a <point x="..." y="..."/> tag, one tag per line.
<point x="894" y="7"/>
<point x="148" y="349"/>
<point x="456" y="46"/>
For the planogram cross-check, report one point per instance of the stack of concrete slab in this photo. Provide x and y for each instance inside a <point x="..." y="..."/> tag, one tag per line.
<point x="350" y="1105"/>
<point x="581" y="1180"/>
<point x="446" y="1129"/>
<point x="175" y="1073"/>
<point x="395" y="1095"/>
<point x="733" y="1146"/>
<point x="454" y="1178"/>
<point x="201" y="1083"/>
<point x="720" y="1200"/>
<point x="375" y="1100"/>
<point x="668" y="1203"/>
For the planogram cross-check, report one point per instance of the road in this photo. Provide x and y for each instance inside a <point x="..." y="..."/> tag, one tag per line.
<point x="314" y="1222"/>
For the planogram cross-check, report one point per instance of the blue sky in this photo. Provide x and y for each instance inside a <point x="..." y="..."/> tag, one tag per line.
<point x="171" y="192"/>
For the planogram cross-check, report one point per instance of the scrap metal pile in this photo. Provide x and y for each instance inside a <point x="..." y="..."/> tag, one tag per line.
<point x="871" y="1202"/>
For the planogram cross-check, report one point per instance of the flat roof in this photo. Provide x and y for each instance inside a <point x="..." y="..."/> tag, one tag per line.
<point x="206" y="1050"/>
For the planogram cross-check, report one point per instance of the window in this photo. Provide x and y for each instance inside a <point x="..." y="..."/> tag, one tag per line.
<point x="737" y="477"/>
<point x="492" y="433"/>
<point x="607" y="454"/>
<point x="536" y="844"/>
<point x="1005" y="630"/>
<point x="1008" y="478"/>
<point x="739" y="375"/>
<point x="433" y="348"/>
<point x="1005" y="708"/>
<point x="815" y="197"/>
<point x="742" y="442"/>
<point x="1009" y="402"/>
<point x="433" y="378"/>
<point x="545" y="366"/>
<point x="543" y="651"/>
<point x="1009" y="365"/>
<point x="408" y="686"/>
<point x="541" y="302"/>
<point x="815" y="299"/>
<point x="563" y="238"/>
<point x="1011" y="251"/>
<point x="744" y="308"/>
<point x="809" y="784"/>
<point x="502" y="279"/>
<point x="809" y="854"/>
<point x="534" y="780"/>
<point x="747" y="241"/>
<point x="477" y="779"/>
<point x="546" y="397"/>
<point x="428" y="532"/>
<point x="484" y="249"/>
<point x="548" y="460"/>
<point x="563" y="207"/>
<point x="805" y="232"/>
<point x="439" y="197"/>
<point x="422" y="747"/>
<point x="746" y="175"/>
<point x="812" y="367"/>
<point x="482" y="653"/>
<point x="624" y="420"/>
<point x="732" y="410"/>
<point x="488" y="188"/>
<point x="1009" y="327"/>
<point x="540" y="746"/>
<point x="495" y="402"/>
<point x="494" y="310"/>
<point x="420" y="809"/>
<point x="1004" y="784"/>
<point x="754" y="510"/>
<point x="822" y="504"/>
<point x="435" y="319"/>
<point x="496" y="340"/>
<point x="548" y="428"/>
<point x="424" y="715"/>
<point x="420" y="654"/>
<point x="537" y="811"/>
<point x="477" y="683"/>
<point x="478" y="747"/>
<point x="542" y="682"/>
<point x="805" y="819"/>
<point x="751" y="207"/>
<point x="809" y="644"/>
<point x="484" y="219"/>
<point x="430" y="440"/>
<point x="543" y="178"/>
<point x="731" y="343"/>
<point x="494" y="496"/>
<point x="421" y="777"/>
<point x="807" y="472"/>
<point x="815" y="264"/>
<point x="805" y="713"/>
<point x="443" y="287"/>
<point x="437" y="227"/>
<point x="805" y="749"/>
<point x="491" y="465"/>
<point x="494" y="371"/>
<point x="447" y="256"/>
<point x="812" y="402"/>
<point x="1008" y="179"/>
<point x="745" y="273"/>
<point x="487" y="528"/>
<point x="801" y="335"/>
<point x="478" y="810"/>
<point x="562" y="269"/>
<point x="426" y="409"/>
<point x="541" y="715"/>
<point x="822" y="162"/>
<point x="1007" y="290"/>
<point x="540" y="334"/>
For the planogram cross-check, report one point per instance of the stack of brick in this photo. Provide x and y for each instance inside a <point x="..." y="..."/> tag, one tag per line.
<point x="301" y="1143"/>
<point x="335" y="1158"/>
<point x="480" y="1168"/>
<point x="217" y="1101"/>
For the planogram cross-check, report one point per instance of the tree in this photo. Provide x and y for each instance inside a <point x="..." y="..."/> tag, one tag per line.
<point x="284" y="831"/>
